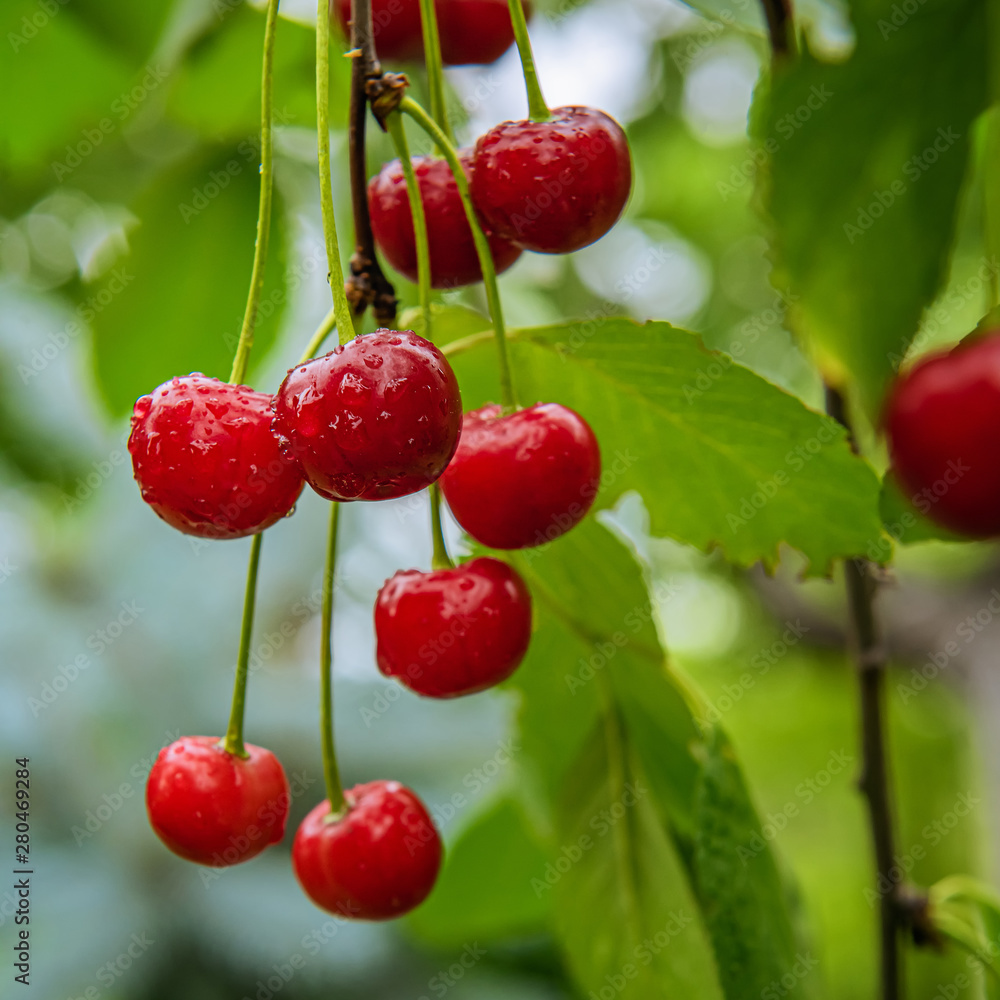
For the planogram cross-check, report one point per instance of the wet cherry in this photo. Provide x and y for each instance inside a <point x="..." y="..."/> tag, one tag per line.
<point x="552" y="186"/>
<point x="470" y="31"/>
<point x="456" y="631"/>
<point x="452" y="250"/>
<point x="212" y="807"/>
<point x="941" y="418"/>
<point x="206" y="460"/>
<point x="525" y="478"/>
<point x="378" y="861"/>
<point x="375" y="419"/>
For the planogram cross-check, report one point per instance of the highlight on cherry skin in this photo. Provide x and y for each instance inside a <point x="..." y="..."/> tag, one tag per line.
<point x="941" y="419"/>
<point x="470" y="31"/>
<point x="552" y="186"/>
<point x="376" y="419"/>
<point x="206" y="460"/>
<point x="377" y="861"/>
<point x="524" y="478"/>
<point x="453" y="255"/>
<point x="453" y="632"/>
<point x="214" y="808"/>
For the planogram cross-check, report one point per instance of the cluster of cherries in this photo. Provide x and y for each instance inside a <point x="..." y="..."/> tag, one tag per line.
<point x="942" y="419"/>
<point x="550" y="186"/>
<point x="376" y="419"/>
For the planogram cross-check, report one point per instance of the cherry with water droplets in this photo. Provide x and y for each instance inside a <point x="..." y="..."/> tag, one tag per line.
<point x="524" y="478"/>
<point x="453" y="255"/>
<point x="454" y="631"/>
<point x="470" y="31"/>
<point x="375" y="419"/>
<point x="206" y="460"/>
<point x="941" y="419"/>
<point x="552" y="186"/>
<point x="377" y="861"/>
<point x="213" y="807"/>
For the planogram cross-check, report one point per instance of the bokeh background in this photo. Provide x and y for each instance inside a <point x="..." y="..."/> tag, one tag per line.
<point x="117" y="123"/>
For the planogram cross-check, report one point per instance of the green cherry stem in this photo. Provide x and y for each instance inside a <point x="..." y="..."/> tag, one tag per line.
<point x="440" y="558"/>
<point x="266" y="189"/>
<point x="342" y="309"/>
<point x="233" y="742"/>
<point x="419" y="115"/>
<point x="435" y="66"/>
<point x="331" y="773"/>
<point x="538" y="110"/>
<point x="394" y="123"/>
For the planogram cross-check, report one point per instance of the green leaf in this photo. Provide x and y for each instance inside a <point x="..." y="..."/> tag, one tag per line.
<point x="175" y="304"/>
<point x="721" y="456"/>
<point x="484" y="890"/>
<point x="40" y="49"/>
<point x="625" y="913"/>
<point x="868" y="160"/>
<point x="740" y="889"/>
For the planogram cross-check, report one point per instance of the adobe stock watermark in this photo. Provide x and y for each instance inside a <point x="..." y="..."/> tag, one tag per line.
<point x="762" y="661"/>
<point x="112" y="971"/>
<point x="475" y="781"/>
<point x="601" y="823"/>
<point x="779" y="988"/>
<point x="98" y="642"/>
<point x="805" y="792"/>
<point x="643" y="955"/>
<point x="122" y="108"/>
<point x="606" y="650"/>
<point x="930" y="837"/>
<point x="85" y="312"/>
<point x="749" y="333"/>
<point x="912" y="170"/>
<point x="899" y="15"/>
<point x="35" y="22"/>
<point x="447" y="979"/>
<point x="967" y="631"/>
<point x="110" y="804"/>
<point x="743" y="173"/>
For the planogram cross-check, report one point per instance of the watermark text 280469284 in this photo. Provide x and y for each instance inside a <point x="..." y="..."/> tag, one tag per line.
<point x="22" y="871"/>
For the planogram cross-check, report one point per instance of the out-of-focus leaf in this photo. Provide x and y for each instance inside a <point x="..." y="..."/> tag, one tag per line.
<point x="625" y="913"/>
<point x="484" y="890"/>
<point x="133" y="28"/>
<point x="37" y="118"/>
<point x="217" y="89"/>
<point x="175" y="304"/>
<point x="739" y="887"/>
<point x="721" y="456"/>
<point x="868" y="160"/>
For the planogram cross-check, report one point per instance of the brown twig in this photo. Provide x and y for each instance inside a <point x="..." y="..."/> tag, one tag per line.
<point x="898" y="905"/>
<point x="778" y="14"/>
<point x="367" y="285"/>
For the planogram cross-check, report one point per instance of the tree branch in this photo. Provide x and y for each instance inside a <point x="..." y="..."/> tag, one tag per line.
<point x="896" y="902"/>
<point x="367" y="286"/>
<point x="778" y="14"/>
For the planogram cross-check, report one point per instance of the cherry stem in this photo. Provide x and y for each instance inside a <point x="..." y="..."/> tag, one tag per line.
<point x="394" y="123"/>
<point x="538" y="110"/>
<point x="233" y="742"/>
<point x="440" y="558"/>
<point x="778" y="14"/>
<point x="420" y="116"/>
<point x="335" y="274"/>
<point x="245" y="344"/>
<point x="331" y="773"/>
<point x="435" y="66"/>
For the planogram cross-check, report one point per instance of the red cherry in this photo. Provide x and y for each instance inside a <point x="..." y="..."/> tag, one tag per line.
<point x="376" y="419"/>
<point x="453" y="631"/>
<point x="378" y="861"/>
<point x="206" y="461"/>
<point x="553" y="186"/>
<point x="941" y="418"/>
<point x="452" y="249"/>
<point x="470" y="31"/>
<point x="522" y="479"/>
<point x="214" y="808"/>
